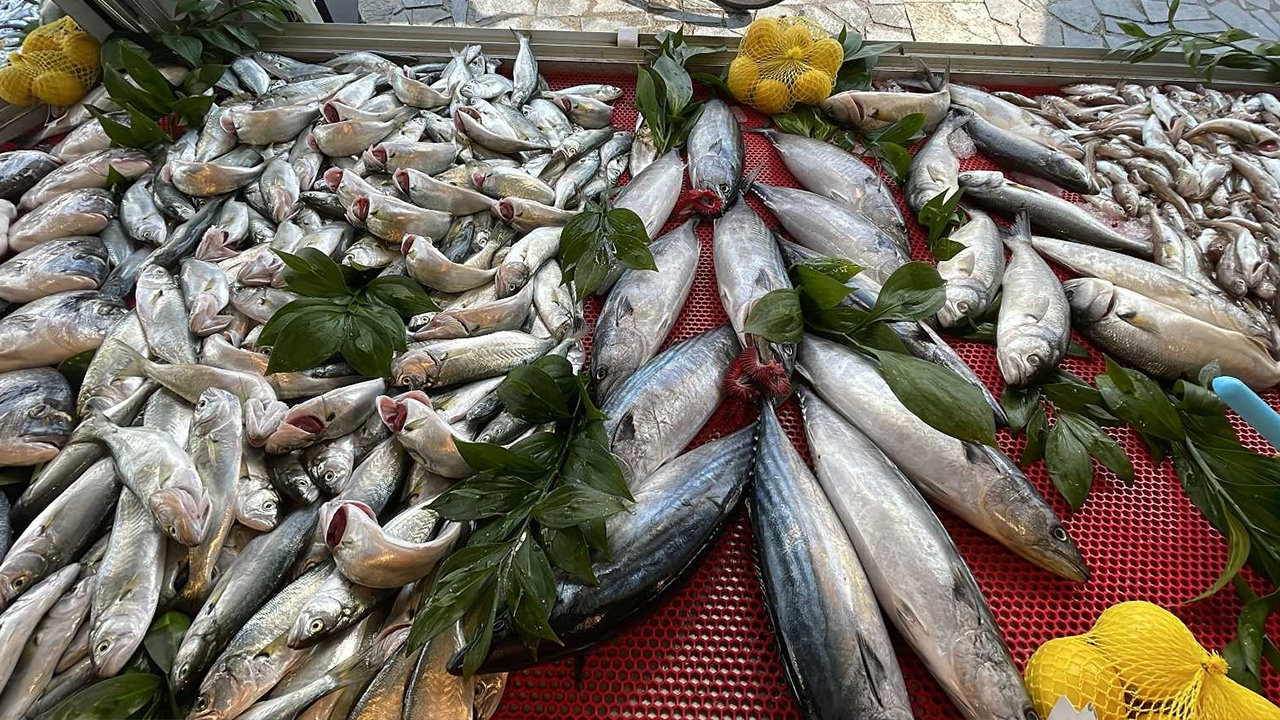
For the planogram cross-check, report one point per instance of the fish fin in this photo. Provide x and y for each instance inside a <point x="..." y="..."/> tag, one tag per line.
<point x="1022" y="227"/>
<point x="763" y="281"/>
<point x="136" y="363"/>
<point x="749" y="181"/>
<point x="962" y="590"/>
<point x="873" y="667"/>
<point x="625" y="429"/>
<point x="625" y="309"/>
<point x="909" y="624"/>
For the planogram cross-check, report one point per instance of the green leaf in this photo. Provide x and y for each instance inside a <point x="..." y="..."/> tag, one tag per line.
<point x="717" y="84"/>
<point x="202" y="78"/>
<point x="488" y="457"/>
<point x="913" y="292"/>
<point x="1133" y="30"/>
<point x="305" y="338"/>
<point x="480" y="617"/>
<point x="193" y="108"/>
<point x="570" y="505"/>
<point x="164" y="637"/>
<point x="117" y="697"/>
<point x="537" y="592"/>
<point x="591" y="463"/>
<point x="676" y="81"/>
<point x="1019" y="405"/>
<point x="543" y="448"/>
<point x="147" y="77"/>
<point x="244" y="35"/>
<point x="1237" y="554"/>
<point x="366" y="346"/>
<point x="624" y="231"/>
<point x="187" y="48"/>
<point x="1037" y="434"/>
<point x="1068" y="463"/>
<point x="1076" y="350"/>
<point x="825" y="288"/>
<point x="777" y="317"/>
<point x="312" y="273"/>
<point x="120" y="134"/>
<point x="1173" y="10"/>
<point x="451" y="600"/>
<point x="880" y="336"/>
<point x="1147" y="408"/>
<point x="219" y="38"/>
<point x="647" y="98"/>
<point x="485" y="494"/>
<point x="1100" y="445"/>
<point x="116" y="182"/>
<point x="530" y="394"/>
<point x="402" y="294"/>
<point x="902" y="132"/>
<point x="272" y="329"/>
<point x="145" y="129"/>
<point x="1251" y="629"/>
<point x="894" y="159"/>
<point x="567" y="550"/>
<point x="871" y="51"/>
<point x="939" y="397"/>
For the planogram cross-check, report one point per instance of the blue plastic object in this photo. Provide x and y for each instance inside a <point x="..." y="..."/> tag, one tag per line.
<point x="1250" y="407"/>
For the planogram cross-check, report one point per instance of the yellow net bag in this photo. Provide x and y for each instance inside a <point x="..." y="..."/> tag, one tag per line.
<point x="58" y="64"/>
<point x="1139" y="662"/>
<point x="784" y="61"/>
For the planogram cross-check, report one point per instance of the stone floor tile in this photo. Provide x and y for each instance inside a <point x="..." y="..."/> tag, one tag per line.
<point x="884" y="33"/>
<point x="1040" y="29"/>
<point x="1268" y="20"/>
<point x="1158" y="11"/>
<point x="1072" y="37"/>
<point x="853" y="13"/>
<point x="892" y="15"/>
<point x="561" y="8"/>
<point x="541" y="22"/>
<point x="1006" y="11"/>
<point x="952" y="22"/>
<point x="1233" y="14"/>
<point x="379" y="11"/>
<point x="1080" y="14"/>
<point x="1202" y="26"/>
<point x="1112" y="25"/>
<point x="1126" y="9"/>
<point x="1008" y="35"/>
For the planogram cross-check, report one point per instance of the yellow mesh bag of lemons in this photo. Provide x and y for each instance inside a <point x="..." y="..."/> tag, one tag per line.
<point x="1139" y="662"/>
<point x="784" y="61"/>
<point x="58" y="64"/>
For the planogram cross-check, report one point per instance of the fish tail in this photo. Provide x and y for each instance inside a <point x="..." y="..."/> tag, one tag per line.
<point x="1022" y="228"/>
<point x="136" y="364"/>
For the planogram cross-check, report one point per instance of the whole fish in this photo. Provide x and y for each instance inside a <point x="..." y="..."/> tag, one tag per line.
<point x="643" y="152"/>
<point x="19" y="621"/>
<point x="1153" y="281"/>
<point x="74" y="263"/>
<point x="217" y="431"/>
<point x="641" y="308"/>
<point x="324" y="417"/>
<point x="874" y="109"/>
<point x="585" y="111"/>
<point x="410" y="546"/>
<point x="257" y="503"/>
<point x="914" y="568"/>
<point x="527" y="215"/>
<point x="141" y="217"/>
<point x="833" y="229"/>
<point x="253" y="579"/>
<point x="837" y="653"/>
<point x="350" y="137"/>
<point x="79" y="212"/>
<point x="207" y="292"/>
<point x="128" y="587"/>
<point x="1160" y="340"/>
<point x="413" y="420"/>
<point x="280" y="187"/>
<point x="973" y="275"/>
<point x="1019" y="152"/>
<point x="554" y="300"/>
<point x="43" y="649"/>
<point x="208" y="179"/>
<point x="336" y="606"/>
<point x="653" y="193"/>
<point x="90" y="171"/>
<point x="1262" y="139"/>
<point x="1034" y="327"/>
<point x="748" y="267"/>
<point x="425" y="191"/>
<point x="163" y="313"/>
<point x="256" y="657"/>
<point x="715" y="158"/>
<point x="657" y="411"/>
<point x="160" y="472"/>
<point x="290" y="478"/>
<point x="54" y="328"/>
<point x="35" y="415"/>
<point x="1010" y="117"/>
<point x="509" y="313"/>
<point x="414" y="92"/>
<point x="270" y="125"/>
<point x="825" y="169"/>
<point x="60" y="533"/>
<point x="654" y="546"/>
<point x="425" y="157"/>
<point x="20" y="170"/>
<point x="1047" y="212"/>
<point x="599" y="92"/>
<point x="979" y="484"/>
<point x="524" y="73"/>
<point x="450" y="362"/>
<point x="392" y="219"/>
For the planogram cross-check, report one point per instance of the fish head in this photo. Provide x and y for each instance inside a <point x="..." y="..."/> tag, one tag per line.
<point x="295" y="431"/>
<point x="506" y="210"/>
<point x="360" y="208"/>
<point x="441" y="326"/>
<point x="191" y="655"/>
<point x="331" y="470"/>
<point x="346" y="523"/>
<point x="989" y="689"/>
<point x="229" y="124"/>
<point x="215" y="410"/>
<point x="416" y="368"/>
<point x="36" y="426"/>
<point x="215" y="245"/>
<point x="1091" y="299"/>
<point x="203" y="317"/>
<point x="962" y="298"/>
<point x="182" y="508"/>
<point x="1024" y="358"/>
<point x="23" y="567"/>
<point x="131" y="166"/>
<point x="322" y="615"/>
<point x="981" y="179"/>
<point x="333" y="178"/>
<point x="510" y="277"/>
<point x="112" y="641"/>
<point x="402" y="180"/>
<point x="259" y="509"/>
<point x="845" y="108"/>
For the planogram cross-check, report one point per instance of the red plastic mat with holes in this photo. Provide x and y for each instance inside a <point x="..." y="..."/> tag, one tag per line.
<point x="708" y="651"/>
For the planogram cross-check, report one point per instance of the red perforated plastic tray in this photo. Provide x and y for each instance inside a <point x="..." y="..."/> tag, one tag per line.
<point x="709" y="651"/>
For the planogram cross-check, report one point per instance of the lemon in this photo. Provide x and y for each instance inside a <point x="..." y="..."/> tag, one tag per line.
<point x="1072" y="667"/>
<point x="771" y="96"/>
<point x="826" y="55"/>
<point x="742" y="76"/>
<point x="1154" y="715"/>
<point x="15" y="86"/>
<point x="797" y="36"/>
<point x="1221" y="698"/>
<point x="763" y="38"/>
<point x="82" y="50"/>
<point x="811" y="87"/>
<point x="41" y="41"/>
<point x="1155" y="655"/>
<point x="57" y="88"/>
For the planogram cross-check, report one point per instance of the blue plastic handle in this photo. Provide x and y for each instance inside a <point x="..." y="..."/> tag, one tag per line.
<point x="1250" y="407"/>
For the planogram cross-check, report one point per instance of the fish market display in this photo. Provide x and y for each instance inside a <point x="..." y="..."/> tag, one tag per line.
<point x="290" y="514"/>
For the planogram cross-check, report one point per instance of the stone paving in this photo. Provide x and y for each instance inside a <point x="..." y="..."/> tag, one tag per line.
<point x="1071" y="23"/>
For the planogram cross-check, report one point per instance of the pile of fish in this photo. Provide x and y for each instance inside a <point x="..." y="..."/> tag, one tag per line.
<point x="15" y="16"/>
<point x="286" y="513"/>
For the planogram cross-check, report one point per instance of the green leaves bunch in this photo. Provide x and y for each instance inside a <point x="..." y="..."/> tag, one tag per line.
<point x="913" y="292"/>
<point x="538" y="504"/>
<point x="860" y="59"/>
<point x="940" y="216"/>
<point x="208" y="35"/>
<point x="664" y="92"/>
<point x="343" y="312"/>
<point x="596" y="240"/>
<point x="1204" y="52"/>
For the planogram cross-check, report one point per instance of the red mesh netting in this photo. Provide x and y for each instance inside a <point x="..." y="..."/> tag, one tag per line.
<point x="709" y="652"/>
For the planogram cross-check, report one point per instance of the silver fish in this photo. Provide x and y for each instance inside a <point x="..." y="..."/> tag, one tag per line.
<point x="974" y="274"/>
<point x="208" y="179"/>
<point x="54" y="328"/>
<point x="331" y="415"/>
<point x="207" y="291"/>
<point x="1050" y="213"/>
<point x="829" y="598"/>
<point x="585" y="111"/>
<point x="1019" y="152"/>
<point x="554" y="300"/>
<point x="128" y="588"/>
<point x="527" y="215"/>
<point x="656" y="412"/>
<point x="980" y="485"/>
<point x="43" y="649"/>
<point x="392" y="219"/>
<point x="420" y="429"/>
<point x="509" y="313"/>
<point x="715" y="158"/>
<point x="215" y="139"/>
<point x="140" y="216"/>
<point x="433" y="693"/>
<point x="280" y="187"/>
<point x="410" y="546"/>
<point x="257" y="504"/>
<point x="1162" y="341"/>
<point x="90" y="171"/>
<point x="21" y="619"/>
<point x="654" y="192"/>
<point x="525" y="257"/>
<point x="252" y="75"/>
<point x="163" y="313"/>
<point x="1012" y="118"/>
<point x="749" y="266"/>
<point x="874" y="109"/>
<point x="524" y="73"/>
<point x="425" y="191"/>
<point x="914" y="569"/>
<point x="79" y="212"/>
<point x="35" y="415"/>
<point x="429" y="266"/>
<point x="74" y="263"/>
<point x="270" y="125"/>
<point x="425" y="157"/>
<point x="350" y="137"/>
<point x="290" y="478"/>
<point x="1034" y="327"/>
<point x="20" y="170"/>
<point x="416" y="93"/>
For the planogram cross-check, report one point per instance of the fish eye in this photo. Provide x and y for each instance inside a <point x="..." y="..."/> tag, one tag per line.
<point x="1033" y="360"/>
<point x="204" y="403"/>
<point x="103" y="647"/>
<point x="18" y="583"/>
<point x="404" y="380"/>
<point x="172" y="530"/>
<point x="1059" y="533"/>
<point x="38" y="410"/>
<point x="202" y="703"/>
<point x="317" y="625"/>
<point x="330" y="476"/>
<point x="601" y="373"/>
<point x="269" y="505"/>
